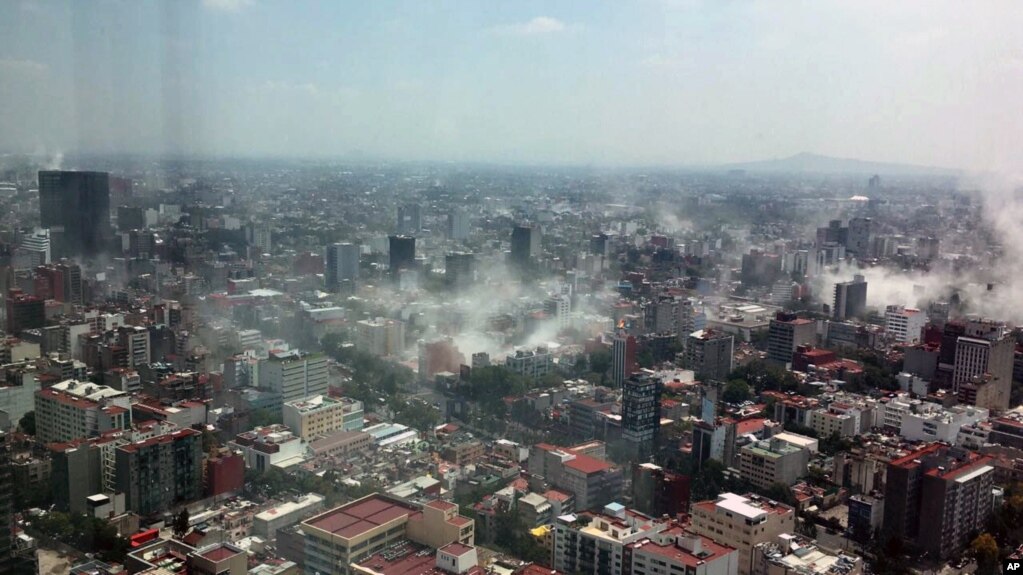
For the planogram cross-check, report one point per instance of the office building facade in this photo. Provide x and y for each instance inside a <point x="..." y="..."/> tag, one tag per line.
<point x="341" y="266"/>
<point x="75" y="206"/>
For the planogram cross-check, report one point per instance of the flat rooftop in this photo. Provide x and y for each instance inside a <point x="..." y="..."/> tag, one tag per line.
<point x="358" y="517"/>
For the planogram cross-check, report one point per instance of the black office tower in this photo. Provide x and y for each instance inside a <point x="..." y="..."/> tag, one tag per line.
<point x="402" y="253"/>
<point x="75" y="206"/>
<point x="6" y="508"/>
<point x="641" y="414"/>
<point x="525" y="245"/>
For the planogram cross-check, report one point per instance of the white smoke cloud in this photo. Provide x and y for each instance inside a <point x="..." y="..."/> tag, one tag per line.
<point x="992" y="290"/>
<point x="56" y="161"/>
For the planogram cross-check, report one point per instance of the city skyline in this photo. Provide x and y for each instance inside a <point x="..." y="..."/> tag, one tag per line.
<point x="658" y="83"/>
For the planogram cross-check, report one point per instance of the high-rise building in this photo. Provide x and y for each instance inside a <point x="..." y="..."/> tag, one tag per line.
<point x="74" y="409"/>
<point x="460" y="270"/>
<point x="260" y="236"/>
<point x="623" y="358"/>
<point x="402" y="253"/>
<point x="858" y="237"/>
<point x="904" y="324"/>
<point x="599" y="244"/>
<point x="936" y="497"/>
<point x="410" y="219"/>
<point x="130" y="218"/>
<point x="710" y="354"/>
<point x="341" y="268"/>
<point x="850" y="298"/>
<point x="691" y="317"/>
<point x="322" y="415"/>
<point x="458" y="225"/>
<point x="982" y="364"/>
<point x="928" y="248"/>
<point x="593" y="482"/>
<point x="834" y="233"/>
<point x="33" y="250"/>
<point x="559" y="308"/>
<point x="294" y="375"/>
<point x="77" y="204"/>
<point x="771" y="461"/>
<point x="657" y="492"/>
<point x="160" y="473"/>
<point x="135" y="340"/>
<point x="742" y="522"/>
<point x="531" y="363"/>
<point x="381" y="337"/>
<point x="24" y="312"/>
<point x="61" y="282"/>
<point x="787" y="332"/>
<point x="525" y="245"/>
<point x="6" y="507"/>
<point x="641" y="413"/>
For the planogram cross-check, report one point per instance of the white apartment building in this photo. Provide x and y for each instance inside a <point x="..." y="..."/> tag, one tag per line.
<point x="294" y="375"/>
<point x="381" y="337"/>
<point x="904" y="324"/>
<point x="74" y="410"/>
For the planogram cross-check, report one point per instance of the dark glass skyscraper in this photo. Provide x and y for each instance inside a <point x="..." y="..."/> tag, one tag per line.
<point x="641" y="413"/>
<point x="76" y="208"/>
<point x="525" y="245"/>
<point x="402" y="253"/>
<point x="6" y="507"/>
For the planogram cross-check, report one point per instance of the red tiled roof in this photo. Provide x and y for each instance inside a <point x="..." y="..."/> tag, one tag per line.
<point x="456" y="549"/>
<point x="219" y="553"/>
<point x="750" y="426"/>
<point x="361" y="516"/>
<point x="587" y="464"/>
<point x="441" y="504"/>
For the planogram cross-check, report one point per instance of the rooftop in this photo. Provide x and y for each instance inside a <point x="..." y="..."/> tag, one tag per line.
<point x="358" y="517"/>
<point x="749" y="506"/>
<point x="218" y="552"/>
<point x="703" y="551"/>
<point x="405" y="558"/>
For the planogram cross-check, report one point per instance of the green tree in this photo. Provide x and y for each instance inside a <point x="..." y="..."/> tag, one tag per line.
<point x="260" y="417"/>
<point x="985" y="550"/>
<point x="512" y="535"/>
<point x="28" y="423"/>
<point x="736" y="391"/>
<point x="417" y="414"/>
<point x="779" y="492"/>
<point x="600" y="362"/>
<point x="834" y="443"/>
<point x="806" y="527"/>
<point x="181" y="523"/>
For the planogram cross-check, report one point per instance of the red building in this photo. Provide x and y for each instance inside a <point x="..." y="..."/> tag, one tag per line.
<point x="224" y="473"/>
<point x="24" y="311"/>
<point x="807" y="355"/>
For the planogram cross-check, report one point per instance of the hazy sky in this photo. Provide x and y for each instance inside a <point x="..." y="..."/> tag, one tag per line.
<point x="668" y="82"/>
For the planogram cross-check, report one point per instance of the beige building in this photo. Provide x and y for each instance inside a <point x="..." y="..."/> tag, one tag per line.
<point x="321" y="415"/>
<point x="772" y="461"/>
<point x="742" y="522"/>
<point x="380" y="336"/>
<point x="348" y="534"/>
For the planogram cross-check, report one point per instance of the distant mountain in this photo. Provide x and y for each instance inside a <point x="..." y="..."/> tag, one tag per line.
<point x="816" y="164"/>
